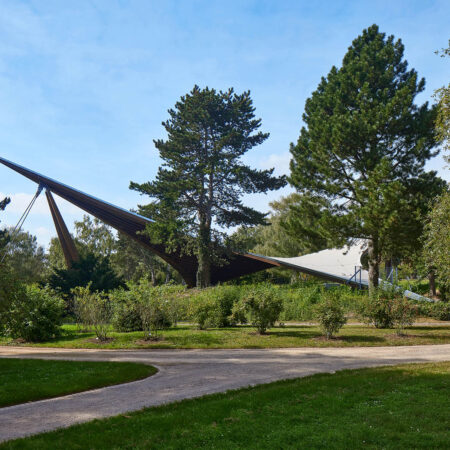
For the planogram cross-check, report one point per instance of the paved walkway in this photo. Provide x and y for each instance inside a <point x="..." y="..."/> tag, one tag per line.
<point x="186" y="374"/>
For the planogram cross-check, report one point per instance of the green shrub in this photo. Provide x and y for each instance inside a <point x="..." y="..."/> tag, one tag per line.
<point x="403" y="312"/>
<point x="176" y="302"/>
<point x="35" y="314"/>
<point x="204" y="310"/>
<point x="125" y="316"/>
<point x="299" y="300"/>
<point x="440" y="310"/>
<point x="330" y="314"/>
<point x="224" y="298"/>
<point x="93" y="309"/>
<point x="213" y="307"/>
<point x="153" y="307"/>
<point x="238" y="314"/>
<point x="388" y="308"/>
<point x="376" y="309"/>
<point x="263" y="306"/>
<point x="11" y="292"/>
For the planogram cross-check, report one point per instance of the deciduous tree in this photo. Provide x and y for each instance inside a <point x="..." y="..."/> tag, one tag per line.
<point x="24" y="256"/>
<point x="443" y="117"/>
<point x="437" y="242"/>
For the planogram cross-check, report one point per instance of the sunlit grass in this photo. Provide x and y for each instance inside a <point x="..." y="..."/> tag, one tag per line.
<point x="187" y="336"/>
<point x="24" y="380"/>
<point x="400" y="407"/>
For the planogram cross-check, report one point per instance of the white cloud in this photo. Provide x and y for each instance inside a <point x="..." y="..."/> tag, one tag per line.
<point x="280" y="161"/>
<point x="43" y="235"/>
<point x="21" y="200"/>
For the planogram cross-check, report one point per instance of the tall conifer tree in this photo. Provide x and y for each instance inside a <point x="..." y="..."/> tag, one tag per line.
<point x="203" y="178"/>
<point x="364" y="144"/>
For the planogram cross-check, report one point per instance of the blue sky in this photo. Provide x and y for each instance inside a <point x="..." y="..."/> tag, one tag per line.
<point x="85" y="85"/>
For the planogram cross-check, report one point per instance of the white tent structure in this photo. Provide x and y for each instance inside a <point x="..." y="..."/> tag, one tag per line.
<point x="340" y="265"/>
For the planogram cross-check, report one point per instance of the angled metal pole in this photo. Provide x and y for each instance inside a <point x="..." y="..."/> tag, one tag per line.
<point x="68" y="246"/>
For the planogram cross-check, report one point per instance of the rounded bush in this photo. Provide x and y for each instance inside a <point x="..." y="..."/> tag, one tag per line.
<point x="330" y="314"/>
<point x="126" y="315"/>
<point x="264" y="306"/>
<point x="34" y="316"/>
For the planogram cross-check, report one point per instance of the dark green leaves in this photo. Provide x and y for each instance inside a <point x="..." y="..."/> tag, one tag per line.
<point x="202" y="178"/>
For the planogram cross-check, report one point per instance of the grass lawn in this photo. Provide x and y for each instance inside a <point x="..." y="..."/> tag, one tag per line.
<point x="399" y="407"/>
<point x="24" y="380"/>
<point x="186" y="336"/>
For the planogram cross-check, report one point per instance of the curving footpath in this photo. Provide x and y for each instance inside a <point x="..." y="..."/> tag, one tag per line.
<point x="187" y="374"/>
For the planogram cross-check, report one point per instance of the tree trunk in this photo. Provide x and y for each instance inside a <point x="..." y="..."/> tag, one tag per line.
<point x="388" y="268"/>
<point x="432" y="282"/>
<point x="167" y="273"/>
<point x="374" y="264"/>
<point x="204" y="256"/>
<point x="153" y="275"/>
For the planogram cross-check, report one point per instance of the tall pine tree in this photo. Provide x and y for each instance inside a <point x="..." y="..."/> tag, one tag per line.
<point x="364" y="143"/>
<point x="203" y="178"/>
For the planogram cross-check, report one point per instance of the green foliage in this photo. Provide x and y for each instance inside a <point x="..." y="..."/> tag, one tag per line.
<point x="129" y="260"/>
<point x="204" y="310"/>
<point x="437" y="242"/>
<point x="158" y="306"/>
<point x="11" y="292"/>
<point x="213" y="307"/>
<point x="385" y="307"/>
<point x="203" y="178"/>
<point x="132" y="261"/>
<point x="404" y="314"/>
<point x="363" y="149"/>
<point x="377" y="308"/>
<point x="439" y="310"/>
<point x="55" y="255"/>
<point x="299" y="300"/>
<point x="93" y="309"/>
<point x="153" y="305"/>
<point x="295" y="221"/>
<point x="442" y="96"/>
<point x="35" y="314"/>
<point x="280" y="237"/>
<point x="224" y="297"/>
<point x="126" y="315"/>
<point x="263" y="306"/>
<point x="238" y="314"/>
<point x="25" y="258"/>
<point x="330" y="314"/>
<point x="176" y="302"/>
<point x="95" y="236"/>
<point x="92" y="270"/>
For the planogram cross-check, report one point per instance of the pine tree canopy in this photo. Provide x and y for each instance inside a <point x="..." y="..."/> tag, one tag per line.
<point x="364" y="142"/>
<point x="202" y="179"/>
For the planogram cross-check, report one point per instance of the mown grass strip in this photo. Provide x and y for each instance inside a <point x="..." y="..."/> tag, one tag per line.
<point x="25" y="380"/>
